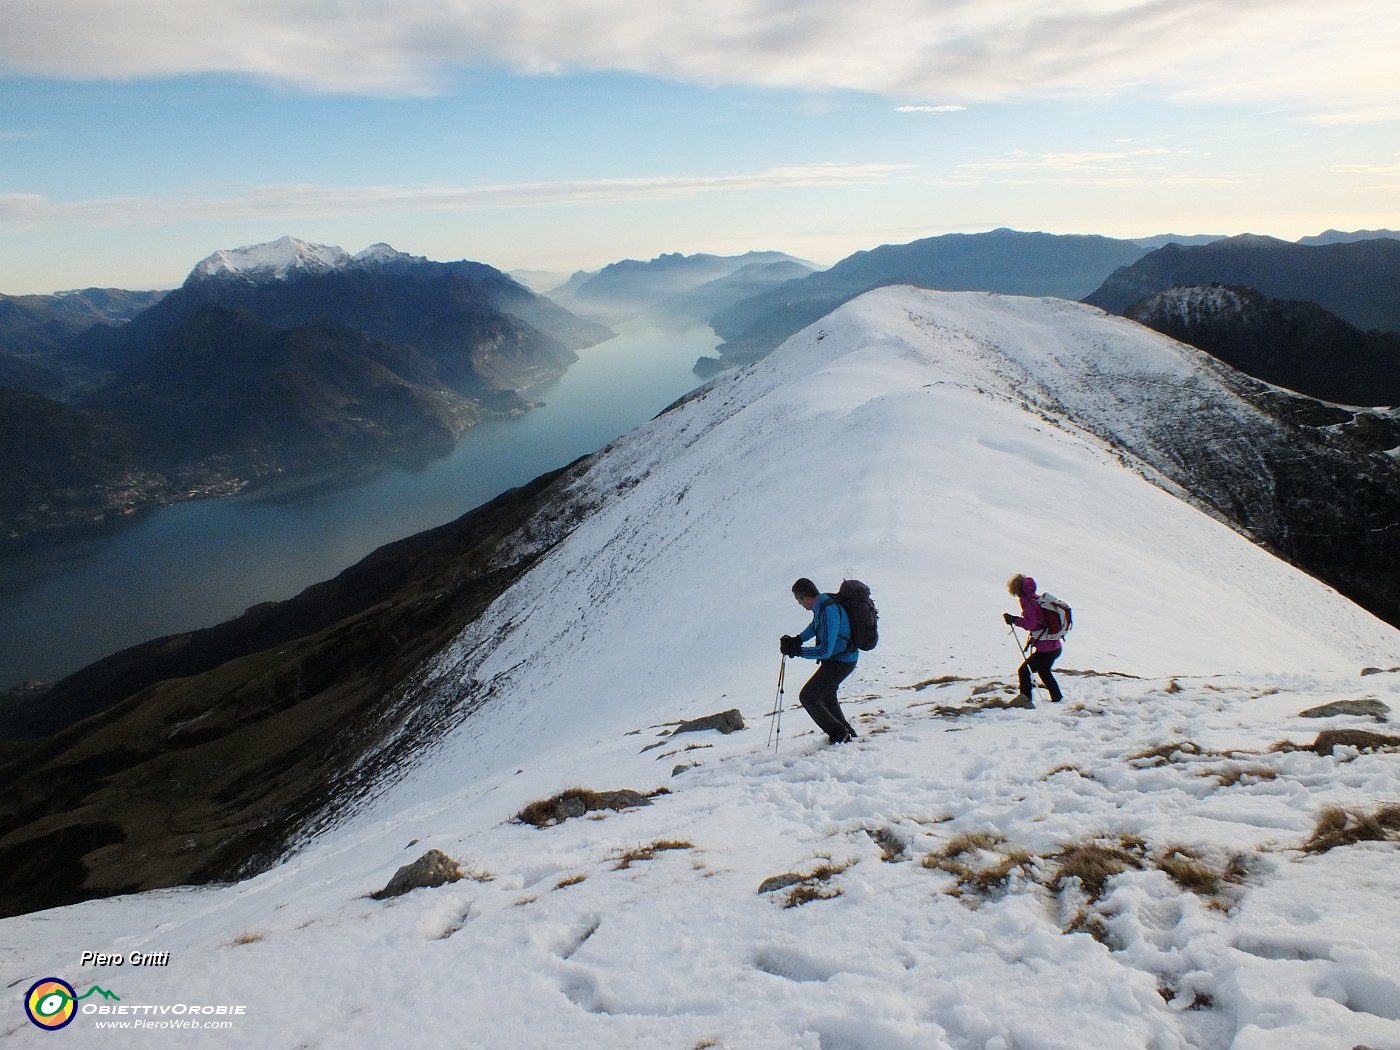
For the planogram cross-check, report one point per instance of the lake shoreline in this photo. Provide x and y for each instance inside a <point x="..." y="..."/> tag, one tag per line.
<point x="193" y="563"/>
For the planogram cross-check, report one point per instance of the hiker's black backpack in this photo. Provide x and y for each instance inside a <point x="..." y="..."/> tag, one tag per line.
<point x="854" y="597"/>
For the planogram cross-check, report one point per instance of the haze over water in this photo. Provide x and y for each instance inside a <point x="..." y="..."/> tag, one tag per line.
<point x="199" y="563"/>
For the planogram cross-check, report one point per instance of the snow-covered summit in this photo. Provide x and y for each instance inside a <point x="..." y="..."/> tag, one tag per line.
<point x="930" y="444"/>
<point x="274" y="261"/>
<point x="381" y="254"/>
<point x="289" y="257"/>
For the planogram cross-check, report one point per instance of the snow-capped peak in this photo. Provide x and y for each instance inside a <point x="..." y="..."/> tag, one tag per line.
<point x="381" y="254"/>
<point x="290" y="257"/>
<point x="274" y="261"/>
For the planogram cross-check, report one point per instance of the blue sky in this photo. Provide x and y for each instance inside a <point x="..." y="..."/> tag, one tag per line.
<point x="137" y="137"/>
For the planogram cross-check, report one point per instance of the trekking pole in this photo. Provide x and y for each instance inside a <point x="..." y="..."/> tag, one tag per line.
<point x="1022" y="649"/>
<point x="775" y="725"/>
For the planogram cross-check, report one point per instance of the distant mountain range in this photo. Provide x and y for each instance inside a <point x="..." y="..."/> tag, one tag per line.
<point x="676" y="285"/>
<point x="1358" y="280"/>
<point x="289" y="355"/>
<point x="278" y="357"/>
<point x="34" y="324"/>
<point x="1341" y="237"/>
<point x="1163" y="239"/>
<point x="35" y="328"/>
<point x="1008" y="261"/>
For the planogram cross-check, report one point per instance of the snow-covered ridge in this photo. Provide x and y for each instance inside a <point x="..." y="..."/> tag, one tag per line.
<point x="289" y="257"/>
<point x="930" y="444"/>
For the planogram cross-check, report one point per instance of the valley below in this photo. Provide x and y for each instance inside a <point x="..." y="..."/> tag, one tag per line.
<point x="221" y="544"/>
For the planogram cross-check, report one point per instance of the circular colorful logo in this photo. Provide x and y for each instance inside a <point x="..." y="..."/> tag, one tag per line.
<point x="51" y="1003"/>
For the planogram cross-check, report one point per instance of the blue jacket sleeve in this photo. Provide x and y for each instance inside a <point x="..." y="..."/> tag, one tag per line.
<point x="826" y="629"/>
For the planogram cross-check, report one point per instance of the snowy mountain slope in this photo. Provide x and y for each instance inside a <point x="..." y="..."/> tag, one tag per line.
<point x="930" y="444"/>
<point x="892" y="442"/>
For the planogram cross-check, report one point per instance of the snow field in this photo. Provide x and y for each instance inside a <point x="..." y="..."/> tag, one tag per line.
<point x="681" y="948"/>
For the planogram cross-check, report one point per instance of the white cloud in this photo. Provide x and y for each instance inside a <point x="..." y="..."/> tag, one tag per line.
<point x="1148" y="166"/>
<point x="930" y="109"/>
<point x="27" y="210"/>
<point x="1093" y="160"/>
<point x="1335" y="60"/>
<point x="1365" y="169"/>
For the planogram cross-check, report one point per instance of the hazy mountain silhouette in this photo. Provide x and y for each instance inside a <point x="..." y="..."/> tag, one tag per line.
<point x="1000" y="261"/>
<point x="632" y="286"/>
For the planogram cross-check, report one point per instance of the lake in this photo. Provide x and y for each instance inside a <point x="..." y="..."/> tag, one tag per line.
<point x="199" y="563"/>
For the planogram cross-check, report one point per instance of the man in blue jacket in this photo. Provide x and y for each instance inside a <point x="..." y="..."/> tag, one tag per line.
<point x="836" y="656"/>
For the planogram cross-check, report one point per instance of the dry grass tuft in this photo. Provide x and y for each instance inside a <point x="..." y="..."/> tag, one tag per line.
<point x="247" y="938"/>
<point x="1163" y="754"/>
<point x="545" y="812"/>
<point x="1091" y="922"/>
<point x="1327" y="739"/>
<point x="577" y="801"/>
<point x="827" y="870"/>
<point x="947" y="679"/>
<point x="648" y="852"/>
<point x="1189" y="870"/>
<point x="1232" y="775"/>
<point x="1199" y="1000"/>
<point x="805" y="893"/>
<point x="1096" y="861"/>
<point x="980" y="863"/>
<point x="967" y="842"/>
<point x="892" y="847"/>
<point x="813" y="886"/>
<point x="572" y="880"/>
<point x="1346" y="826"/>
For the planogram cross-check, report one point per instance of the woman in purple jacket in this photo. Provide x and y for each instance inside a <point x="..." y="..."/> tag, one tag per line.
<point x="1032" y="620"/>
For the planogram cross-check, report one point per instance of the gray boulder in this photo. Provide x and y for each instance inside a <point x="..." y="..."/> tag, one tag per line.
<point x="1368" y="708"/>
<point x="725" y="722"/>
<point x="434" y="868"/>
<point x="779" y="882"/>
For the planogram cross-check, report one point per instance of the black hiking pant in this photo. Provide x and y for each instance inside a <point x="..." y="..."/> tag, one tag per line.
<point x="1041" y="663"/>
<point x="819" y="700"/>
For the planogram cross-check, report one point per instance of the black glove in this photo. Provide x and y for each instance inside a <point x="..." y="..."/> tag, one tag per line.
<point x="1010" y="620"/>
<point x="789" y="645"/>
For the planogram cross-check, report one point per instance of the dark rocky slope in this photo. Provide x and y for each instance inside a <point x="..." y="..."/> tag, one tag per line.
<point x="202" y="755"/>
<point x="1297" y="345"/>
